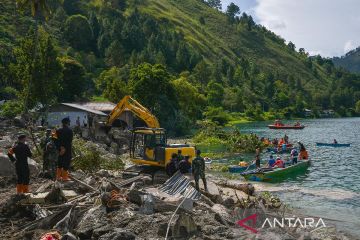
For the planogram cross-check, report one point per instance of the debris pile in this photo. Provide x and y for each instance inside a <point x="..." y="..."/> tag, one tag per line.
<point x="101" y="204"/>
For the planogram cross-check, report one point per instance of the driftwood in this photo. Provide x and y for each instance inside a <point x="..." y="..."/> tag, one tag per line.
<point x="247" y="188"/>
<point x="83" y="184"/>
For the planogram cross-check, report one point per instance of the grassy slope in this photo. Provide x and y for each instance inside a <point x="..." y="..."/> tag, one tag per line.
<point x="218" y="38"/>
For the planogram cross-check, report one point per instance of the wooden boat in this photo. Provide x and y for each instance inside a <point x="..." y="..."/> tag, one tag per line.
<point x="279" y="125"/>
<point x="275" y="150"/>
<point x="273" y="126"/>
<point x="276" y="174"/>
<point x="239" y="169"/>
<point x="333" y="144"/>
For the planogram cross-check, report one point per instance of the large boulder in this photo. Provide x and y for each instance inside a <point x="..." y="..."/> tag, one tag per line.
<point x="34" y="167"/>
<point x="94" y="218"/>
<point x="7" y="168"/>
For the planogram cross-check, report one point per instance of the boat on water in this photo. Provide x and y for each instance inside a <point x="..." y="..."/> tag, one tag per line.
<point x="207" y="160"/>
<point x="279" y="125"/>
<point x="278" y="151"/>
<point x="333" y="144"/>
<point x="240" y="169"/>
<point x="276" y="174"/>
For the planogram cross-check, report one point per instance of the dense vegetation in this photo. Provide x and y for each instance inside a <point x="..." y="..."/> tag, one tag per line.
<point x="351" y="61"/>
<point x="185" y="60"/>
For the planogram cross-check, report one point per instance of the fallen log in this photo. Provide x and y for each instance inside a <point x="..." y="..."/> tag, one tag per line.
<point x="82" y="183"/>
<point x="247" y="188"/>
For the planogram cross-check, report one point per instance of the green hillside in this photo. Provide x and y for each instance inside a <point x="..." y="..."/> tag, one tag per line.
<point x="182" y="59"/>
<point x="351" y="61"/>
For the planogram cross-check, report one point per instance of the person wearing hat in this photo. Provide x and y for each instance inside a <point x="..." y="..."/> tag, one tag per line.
<point x="65" y="137"/>
<point x="198" y="170"/>
<point x="21" y="151"/>
<point x="43" y="143"/>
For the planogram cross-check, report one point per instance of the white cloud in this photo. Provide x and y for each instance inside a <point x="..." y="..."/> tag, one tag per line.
<point x="349" y="45"/>
<point x="319" y="26"/>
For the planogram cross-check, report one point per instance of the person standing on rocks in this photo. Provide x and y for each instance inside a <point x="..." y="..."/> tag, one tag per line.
<point x="43" y="143"/>
<point x="21" y="151"/>
<point x="65" y="137"/>
<point x="198" y="170"/>
<point x="53" y="155"/>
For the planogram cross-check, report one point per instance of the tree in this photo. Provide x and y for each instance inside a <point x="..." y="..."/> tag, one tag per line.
<point x="215" y="93"/>
<point x="232" y="10"/>
<point x="39" y="9"/>
<point x="78" y="32"/>
<point x="72" y="7"/>
<point x="39" y="76"/>
<point x="202" y="20"/>
<point x="201" y="73"/>
<point x="214" y="4"/>
<point x="291" y="46"/>
<point x="112" y="83"/>
<point x="182" y="57"/>
<point x="73" y="82"/>
<point x="191" y="102"/>
<point x="357" y="107"/>
<point x="250" y="23"/>
<point x="151" y="86"/>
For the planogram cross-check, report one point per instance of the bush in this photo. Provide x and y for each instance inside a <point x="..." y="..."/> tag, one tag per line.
<point x="11" y="109"/>
<point x="89" y="158"/>
<point x="212" y="135"/>
<point x="217" y="115"/>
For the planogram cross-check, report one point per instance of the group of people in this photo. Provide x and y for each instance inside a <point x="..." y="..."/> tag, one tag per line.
<point x="181" y="163"/>
<point x="294" y="156"/>
<point x="57" y="154"/>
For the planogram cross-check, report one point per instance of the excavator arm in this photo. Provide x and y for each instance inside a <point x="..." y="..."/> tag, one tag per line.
<point x="134" y="106"/>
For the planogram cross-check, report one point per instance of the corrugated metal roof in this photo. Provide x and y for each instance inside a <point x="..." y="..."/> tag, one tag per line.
<point x="99" y="106"/>
<point x="179" y="184"/>
<point x="86" y="109"/>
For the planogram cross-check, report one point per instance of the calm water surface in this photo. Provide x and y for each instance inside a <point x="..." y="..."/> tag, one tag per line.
<point x="331" y="187"/>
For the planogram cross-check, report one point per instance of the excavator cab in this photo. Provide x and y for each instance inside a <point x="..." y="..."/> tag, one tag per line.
<point x="149" y="147"/>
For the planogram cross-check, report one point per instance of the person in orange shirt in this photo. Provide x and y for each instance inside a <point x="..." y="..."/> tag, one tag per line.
<point x="303" y="153"/>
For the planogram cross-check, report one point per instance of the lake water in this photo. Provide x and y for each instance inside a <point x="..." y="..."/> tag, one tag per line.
<point x="331" y="187"/>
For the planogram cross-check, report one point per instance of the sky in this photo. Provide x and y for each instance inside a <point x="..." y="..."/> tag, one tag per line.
<point x="326" y="27"/>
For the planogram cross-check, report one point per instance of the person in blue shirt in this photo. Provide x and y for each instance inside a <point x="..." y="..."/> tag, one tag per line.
<point x="283" y="147"/>
<point x="271" y="161"/>
<point x="294" y="155"/>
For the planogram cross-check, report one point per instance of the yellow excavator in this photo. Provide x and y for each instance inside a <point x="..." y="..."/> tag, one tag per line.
<point x="148" y="145"/>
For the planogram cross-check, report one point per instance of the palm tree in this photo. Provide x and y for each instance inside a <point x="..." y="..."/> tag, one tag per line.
<point x="39" y="10"/>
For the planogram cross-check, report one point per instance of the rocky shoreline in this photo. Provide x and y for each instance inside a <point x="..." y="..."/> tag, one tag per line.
<point x="104" y="205"/>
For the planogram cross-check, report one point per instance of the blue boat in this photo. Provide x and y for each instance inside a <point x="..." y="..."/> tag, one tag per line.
<point x="333" y="144"/>
<point x="239" y="169"/>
